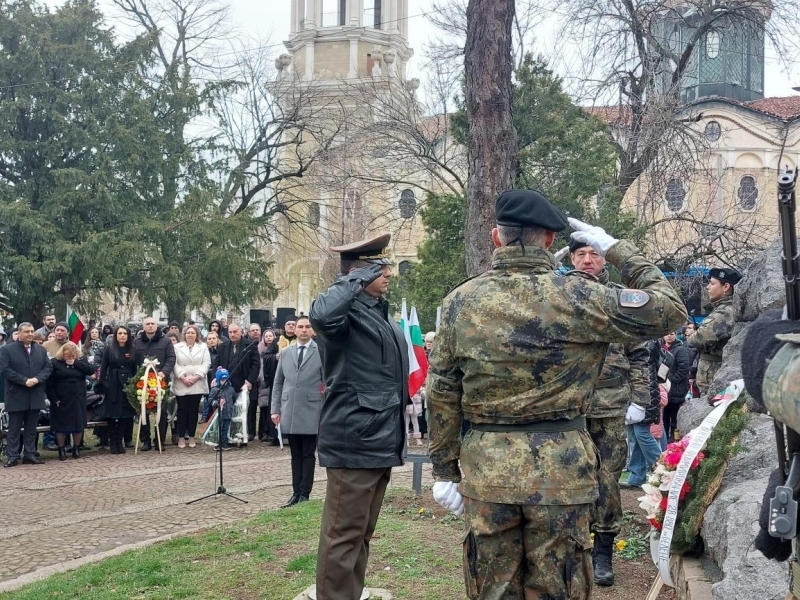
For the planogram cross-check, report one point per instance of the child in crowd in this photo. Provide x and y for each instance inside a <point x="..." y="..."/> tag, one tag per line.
<point x="222" y="398"/>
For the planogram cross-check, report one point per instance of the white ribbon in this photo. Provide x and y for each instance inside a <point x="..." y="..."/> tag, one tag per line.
<point x="150" y="366"/>
<point x="659" y="546"/>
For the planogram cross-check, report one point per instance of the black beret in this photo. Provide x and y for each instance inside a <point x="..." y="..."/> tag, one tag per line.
<point x="526" y="208"/>
<point x="63" y="324"/>
<point x="576" y="245"/>
<point x="731" y="276"/>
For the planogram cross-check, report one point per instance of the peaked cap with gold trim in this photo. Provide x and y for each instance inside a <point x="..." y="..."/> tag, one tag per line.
<point x="371" y="250"/>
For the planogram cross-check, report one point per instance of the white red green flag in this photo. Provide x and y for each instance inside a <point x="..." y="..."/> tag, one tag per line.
<point x="75" y="326"/>
<point x="417" y="359"/>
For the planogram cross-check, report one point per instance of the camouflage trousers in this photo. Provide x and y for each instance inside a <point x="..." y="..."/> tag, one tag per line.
<point x="537" y="552"/>
<point x="611" y="439"/>
<point x="706" y="371"/>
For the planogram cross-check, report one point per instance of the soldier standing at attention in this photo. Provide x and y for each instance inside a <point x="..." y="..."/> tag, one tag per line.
<point x="362" y="419"/>
<point x="525" y="384"/>
<point x="715" y="330"/>
<point x="624" y="379"/>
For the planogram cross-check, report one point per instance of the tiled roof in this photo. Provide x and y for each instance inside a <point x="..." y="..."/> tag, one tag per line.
<point x="786" y="107"/>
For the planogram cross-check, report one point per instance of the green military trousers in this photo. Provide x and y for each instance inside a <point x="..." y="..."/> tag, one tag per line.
<point x="611" y="439"/>
<point x="515" y="552"/>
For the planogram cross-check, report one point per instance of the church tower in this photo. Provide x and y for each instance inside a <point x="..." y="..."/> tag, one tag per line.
<point x="347" y="39"/>
<point x="349" y="59"/>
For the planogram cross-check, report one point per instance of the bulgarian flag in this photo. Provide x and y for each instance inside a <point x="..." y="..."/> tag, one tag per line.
<point x="417" y="359"/>
<point x="75" y="325"/>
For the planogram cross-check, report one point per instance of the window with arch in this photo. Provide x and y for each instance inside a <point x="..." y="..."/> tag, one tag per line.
<point x="408" y="204"/>
<point x="676" y="195"/>
<point x="747" y="192"/>
<point x="404" y="267"/>
<point x="713" y="43"/>
<point x="713" y="131"/>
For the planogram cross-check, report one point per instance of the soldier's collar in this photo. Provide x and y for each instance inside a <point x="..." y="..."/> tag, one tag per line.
<point x="370" y="301"/>
<point x="722" y="301"/>
<point x="513" y="256"/>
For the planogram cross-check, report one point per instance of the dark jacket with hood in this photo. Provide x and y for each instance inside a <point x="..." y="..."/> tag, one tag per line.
<point x="679" y="374"/>
<point x="365" y="364"/>
<point x="159" y="347"/>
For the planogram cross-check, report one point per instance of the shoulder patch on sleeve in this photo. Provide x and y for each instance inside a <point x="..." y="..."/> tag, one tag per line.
<point x="633" y="298"/>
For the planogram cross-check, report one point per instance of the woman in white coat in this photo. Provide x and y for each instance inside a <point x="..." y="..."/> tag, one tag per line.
<point x="189" y="383"/>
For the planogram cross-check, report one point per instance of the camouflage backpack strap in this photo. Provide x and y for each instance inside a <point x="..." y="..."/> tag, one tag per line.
<point x="781" y="386"/>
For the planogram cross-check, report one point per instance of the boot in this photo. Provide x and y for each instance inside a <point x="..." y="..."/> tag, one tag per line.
<point x="601" y="558"/>
<point x="62" y="453"/>
<point x="76" y="451"/>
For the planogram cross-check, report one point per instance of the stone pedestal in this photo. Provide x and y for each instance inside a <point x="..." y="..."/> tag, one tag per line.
<point x="369" y="593"/>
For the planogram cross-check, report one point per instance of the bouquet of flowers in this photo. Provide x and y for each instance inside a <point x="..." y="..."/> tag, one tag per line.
<point x="146" y="386"/>
<point x="657" y="488"/>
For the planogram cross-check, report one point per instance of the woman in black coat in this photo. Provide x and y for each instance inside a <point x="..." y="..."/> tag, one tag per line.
<point x="66" y="390"/>
<point x="269" y="365"/>
<point x="118" y="365"/>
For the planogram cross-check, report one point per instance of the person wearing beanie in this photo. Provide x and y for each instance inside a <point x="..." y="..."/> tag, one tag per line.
<point x="61" y="332"/>
<point x="715" y="331"/>
<point x="175" y="327"/>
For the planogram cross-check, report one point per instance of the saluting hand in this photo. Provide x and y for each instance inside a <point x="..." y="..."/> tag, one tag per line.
<point x="596" y="237"/>
<point x="366" y="275"/>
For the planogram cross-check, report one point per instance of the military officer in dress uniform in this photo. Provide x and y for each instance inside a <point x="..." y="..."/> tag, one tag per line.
<point x="518" y="354"/>
<point x="715" y="330"/>
<point x="624" y="379"/>
<point x="362" y="431"/>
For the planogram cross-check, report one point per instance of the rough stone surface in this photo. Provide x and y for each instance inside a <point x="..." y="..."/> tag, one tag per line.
<point x="731" y="522"/>
<point x="763" y="287"/>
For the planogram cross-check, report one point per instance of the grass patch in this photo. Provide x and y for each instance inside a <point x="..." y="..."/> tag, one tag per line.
<point x="415" y="553"/>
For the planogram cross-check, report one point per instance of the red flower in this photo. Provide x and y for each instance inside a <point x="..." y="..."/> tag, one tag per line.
<point x="684" y="491"/>
<point x="672" y="458"/>
<point x="655" y="523"/>
<point x="663" y="505"/>
<point x="697" y="460"/>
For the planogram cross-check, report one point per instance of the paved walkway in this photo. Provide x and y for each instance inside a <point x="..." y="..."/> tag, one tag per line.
<point x="105" y="502"/>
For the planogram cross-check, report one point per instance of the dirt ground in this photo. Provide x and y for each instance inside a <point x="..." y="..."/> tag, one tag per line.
<point x="633" y="576"/>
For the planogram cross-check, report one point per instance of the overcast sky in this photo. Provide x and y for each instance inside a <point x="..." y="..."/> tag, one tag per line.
<point x="267" y="21"/>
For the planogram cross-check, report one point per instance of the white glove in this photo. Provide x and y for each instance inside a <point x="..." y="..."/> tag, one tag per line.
<point x="596" y="237"/>
<point x="634" y="415"/>
<point x="559" y="256"/>
<point x="446" y="494"/>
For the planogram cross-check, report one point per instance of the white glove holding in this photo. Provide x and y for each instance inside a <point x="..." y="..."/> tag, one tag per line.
<point x="634" y="415"/>
<point x="559" y="256"/>
<point x="446" y="493"/>
<point x="596" y="237"/>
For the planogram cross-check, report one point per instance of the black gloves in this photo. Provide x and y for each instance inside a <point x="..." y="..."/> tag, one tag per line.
<point x="366" y="275"/>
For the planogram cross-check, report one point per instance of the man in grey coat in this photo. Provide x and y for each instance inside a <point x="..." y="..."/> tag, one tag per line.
<point x="25" y="367"/>
<point x="296" y="401"/>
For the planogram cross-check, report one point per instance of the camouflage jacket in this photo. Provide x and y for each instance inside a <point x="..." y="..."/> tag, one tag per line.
<point x="521" y="344"/>
<point x="715" y="330"/>
<point x="624" y="377"/>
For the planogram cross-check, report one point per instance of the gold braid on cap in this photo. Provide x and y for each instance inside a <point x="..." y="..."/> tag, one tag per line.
<point x="374" y="256"/>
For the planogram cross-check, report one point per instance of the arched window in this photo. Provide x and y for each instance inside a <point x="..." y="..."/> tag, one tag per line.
<point x="713" y="131"/>
<point x="713" y="41"/>
<point x="404" y="266"/>
<point x="408" y="204"/>
<point x="676" y="195"/>
<point x="313" y="215"/>
<point x="747" y="193"/>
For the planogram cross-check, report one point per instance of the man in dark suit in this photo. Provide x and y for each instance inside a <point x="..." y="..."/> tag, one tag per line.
<point x="25" y="367"/>
<point x="240" y="357"/>
<point x="296" y="402"/>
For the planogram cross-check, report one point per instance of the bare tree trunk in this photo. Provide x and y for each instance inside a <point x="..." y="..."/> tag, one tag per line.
<point x="492" y="139"/>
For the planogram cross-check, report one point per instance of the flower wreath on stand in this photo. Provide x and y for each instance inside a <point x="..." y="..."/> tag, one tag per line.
<point x="686" y="478"/>
<point x="145" y="391"/>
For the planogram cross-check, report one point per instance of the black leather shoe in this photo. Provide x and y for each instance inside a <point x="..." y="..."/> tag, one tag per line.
<point x="62" y="454"/>
<point x="292" y="501"/>
<point x="147" y="446"/>
<point x="33" y="461"/>
<point x="303" y="499"/>
<point x="11" y="463"/>
<point x="76" y="452"/>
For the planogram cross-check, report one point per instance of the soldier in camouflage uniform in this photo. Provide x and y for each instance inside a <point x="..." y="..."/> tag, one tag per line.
<point x="624" y="377"/>
<point x="518" y="354"/>
<point x="715" y="331"/>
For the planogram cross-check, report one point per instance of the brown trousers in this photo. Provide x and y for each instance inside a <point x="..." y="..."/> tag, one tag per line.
<point x="353" y="501"/>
